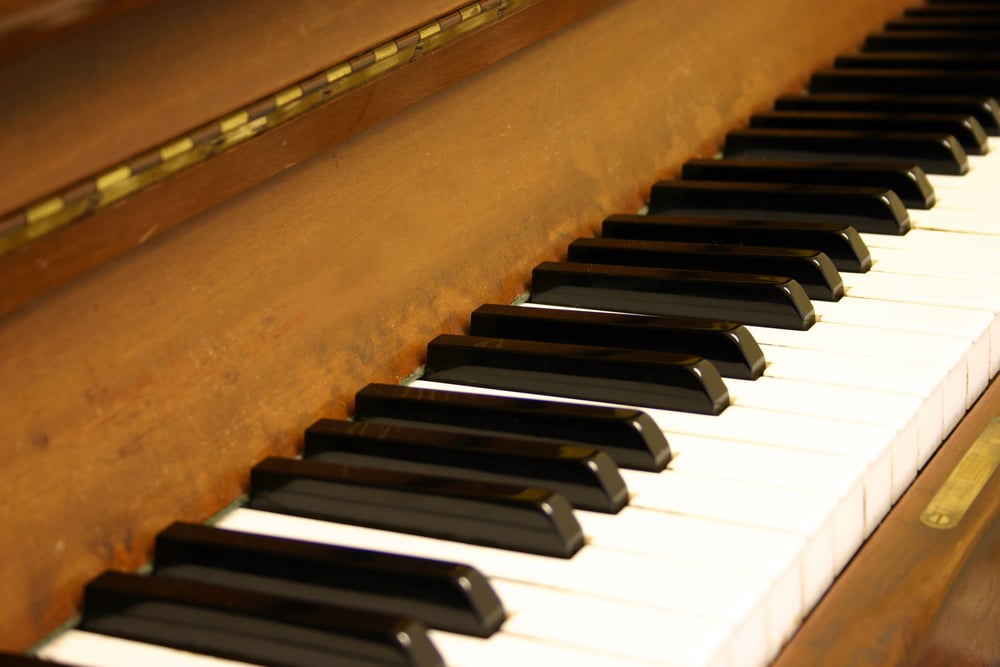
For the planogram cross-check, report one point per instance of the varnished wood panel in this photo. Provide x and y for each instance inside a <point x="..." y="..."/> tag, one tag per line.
<point x="142" y="392"/>
<point x="29" y="24"/>
<point x="31" y="270"/>
<point x="123" y="85"/>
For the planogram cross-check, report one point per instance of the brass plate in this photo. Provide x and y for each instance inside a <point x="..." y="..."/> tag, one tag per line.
<point x="966" y="481"/>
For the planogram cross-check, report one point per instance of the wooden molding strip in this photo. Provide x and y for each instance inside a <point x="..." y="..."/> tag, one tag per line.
<point x="62" y="235"/>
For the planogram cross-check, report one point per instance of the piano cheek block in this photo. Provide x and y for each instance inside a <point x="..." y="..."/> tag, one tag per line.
<point x="509" y="517"/>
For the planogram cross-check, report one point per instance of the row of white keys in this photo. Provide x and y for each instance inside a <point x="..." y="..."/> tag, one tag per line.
<point x="89" y="649"/>
<point x="947" y="352"/>
<point x="779" y="488"/>
<point x="568" y="602"/>
<point x="970" y="304"/>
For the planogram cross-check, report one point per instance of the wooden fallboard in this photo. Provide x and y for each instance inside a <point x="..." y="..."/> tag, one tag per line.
<point x="141" y="391"/>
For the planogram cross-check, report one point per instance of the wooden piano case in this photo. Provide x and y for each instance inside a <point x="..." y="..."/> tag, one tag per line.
<point x="157" y="341"/>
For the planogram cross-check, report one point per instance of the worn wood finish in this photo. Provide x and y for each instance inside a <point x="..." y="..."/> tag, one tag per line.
<point x="966" y="632"/>
<point x="46" y="263"/>
<point x="142" y="392"/>
<point x="138" y="79"/>
<point x="886" y="601"/>
<point x="30" y="24"/>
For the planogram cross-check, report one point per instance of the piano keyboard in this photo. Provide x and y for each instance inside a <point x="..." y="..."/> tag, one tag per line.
<point x="715" y="560"/>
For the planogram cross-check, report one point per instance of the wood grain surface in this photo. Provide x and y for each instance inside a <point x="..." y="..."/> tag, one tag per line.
<point x="142" y="392"/>
<point x="60" y="256"/>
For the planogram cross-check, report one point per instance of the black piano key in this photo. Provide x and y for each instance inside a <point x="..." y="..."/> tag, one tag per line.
<point x="934" y="153"/>
<point x="977" y="23"/>
<point x="810" y="268"/>
<point x="909" y="182"/>
<point x="609" y="375"/>
<point x="519" y="518"/>
<point x="874" y="210"/>
<point x="443" y="595"/>
<point x="586" y="476"/>
<point x="966" y="129"/>
<point x="840" y="242"/>
<point x="250" y="626"/>
<point x="980" y="41"/>
<point x="762" y="300"/>
<point x="982" y="107"/>
<point x="891" y="60"/>
<point x="907" y="82"/>
<point x="958" y="9"/>
<point x="627" y="435"/>
<point x="728" y="345"/>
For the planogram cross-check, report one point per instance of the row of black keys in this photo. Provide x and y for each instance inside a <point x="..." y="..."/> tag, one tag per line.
<point x="507" y="472"/>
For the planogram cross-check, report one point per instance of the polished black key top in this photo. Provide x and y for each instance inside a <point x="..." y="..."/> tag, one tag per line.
<point x="443" y="595"/>
<point x="610" y="375"/>
<point x="874" y="210"/>
<point x="947" y="60"/>
<point x="950" y="23"/>
<point x="909" y="182"/>
<point x="841" y="243"/>
<point x="627" y="435"/>
<point x="981" y="107"/>
<point x="907" y="82"/>
<point x="810" y="268"/>
<point x="980" y="41"/>
<point x="956" y="9"/>
<point x="250" y="626"/>
<point x="11" y="660"/>
<point x="966" y="129"/>
<point x="513" y="517"/>
<point x="586" y="476"/>
<point x="728" y="345"/>
<point x="749" y="299"/>
<point x="934" y="153"/>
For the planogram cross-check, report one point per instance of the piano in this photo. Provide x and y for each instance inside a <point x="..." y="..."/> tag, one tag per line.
<point x="220" y="222"/>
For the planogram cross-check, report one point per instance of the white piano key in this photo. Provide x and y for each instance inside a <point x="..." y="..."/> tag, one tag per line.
<point x="510" y="649"/>
<point x="951" y="352"/>
<point x="868" y="443"/>
<point x="806" y="515"/>
<point x="933" y="290"/>
<point x="979" y="180"/>
<point x="955" y="220"/>
<point x="770" y="553"/>
<point x="837" y="478"/>
<point x="967" y="198"/>
<point x="635" y="631"/>
<point x="89" y="649"/>
<point x="896" y="412"/>
<point x="680" y="592"/>
<point x="964" y="267"/>
<point x="924" y="381"/>
<point x="937" y="241"/>
<point x="872" y="444"/>
<point x="974" y="325"/>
